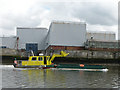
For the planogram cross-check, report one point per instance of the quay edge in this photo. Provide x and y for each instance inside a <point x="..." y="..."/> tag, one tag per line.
<point x="9" y="59"/>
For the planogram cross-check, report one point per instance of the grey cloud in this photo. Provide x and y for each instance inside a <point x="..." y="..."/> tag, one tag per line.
<point x="95" y="14"/>
<point x="9" y="21"/>
<point x="58" y="11"/>
<point x="92" y="12"/>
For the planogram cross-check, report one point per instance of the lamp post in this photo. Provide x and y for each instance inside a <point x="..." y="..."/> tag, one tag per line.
<point x="91" y="46"/>
<point x="51" y="51"/>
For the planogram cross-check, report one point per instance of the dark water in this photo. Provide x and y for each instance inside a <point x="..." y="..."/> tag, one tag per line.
<point x="36" y="78"/>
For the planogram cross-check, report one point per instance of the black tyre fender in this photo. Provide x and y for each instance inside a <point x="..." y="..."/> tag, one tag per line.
<point x="14" y="65"/>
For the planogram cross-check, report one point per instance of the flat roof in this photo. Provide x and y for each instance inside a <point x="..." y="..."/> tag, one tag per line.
<point x="31" y="28"/>
<point x="67" y="22"/>
<point x="101" y="32"/>
<point x="8" y="37"/>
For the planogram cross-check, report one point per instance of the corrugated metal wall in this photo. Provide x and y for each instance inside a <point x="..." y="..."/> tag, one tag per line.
<point x="119" y="34"/>
<point x="9" y="42"/>
<point x="67" y="34"/>
<point x="101" y="36"/>
<point x="32" y="35"/>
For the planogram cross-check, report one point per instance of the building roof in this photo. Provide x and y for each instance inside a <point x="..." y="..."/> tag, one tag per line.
<point x="32" y="28"/>
<point x="101" y="32"/>
<point x="9" y="37"/>
<point x="67" y="22"/>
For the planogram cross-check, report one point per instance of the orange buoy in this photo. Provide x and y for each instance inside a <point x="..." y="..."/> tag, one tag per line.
<point x="81" y="65"/>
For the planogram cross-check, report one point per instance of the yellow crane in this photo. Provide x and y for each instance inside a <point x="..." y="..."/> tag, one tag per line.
<point x="38" y="61"/>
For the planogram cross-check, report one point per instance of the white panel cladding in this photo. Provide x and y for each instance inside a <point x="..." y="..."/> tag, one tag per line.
<point x="118" y="34"/>
<point x="9" y="42"/>
<point x="101" y="36"/>
<point x="67" y="34"/>
<point x="32" y="35"/>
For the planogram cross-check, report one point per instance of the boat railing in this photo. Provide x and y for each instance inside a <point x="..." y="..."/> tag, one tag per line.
<point x="19" y="62"/>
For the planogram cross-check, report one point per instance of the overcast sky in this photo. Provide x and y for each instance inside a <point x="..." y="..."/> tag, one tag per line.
<point x="99" y="15"/>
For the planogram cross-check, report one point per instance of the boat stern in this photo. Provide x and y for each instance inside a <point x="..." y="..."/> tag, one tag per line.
<point x="15" y="63"/>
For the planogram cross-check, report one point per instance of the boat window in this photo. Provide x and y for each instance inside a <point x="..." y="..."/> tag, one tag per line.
<point x="34" y="58"/>
<point x="40" y="58"/>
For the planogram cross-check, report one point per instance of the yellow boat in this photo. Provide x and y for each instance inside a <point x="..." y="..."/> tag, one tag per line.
<point x="44" y="62"/>
<point x="38" y="61"/>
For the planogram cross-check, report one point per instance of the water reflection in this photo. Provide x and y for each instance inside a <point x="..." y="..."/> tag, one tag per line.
<point x="42" y="78"/>
<point x="39" y="78"/>
<point x="33" y="78"/>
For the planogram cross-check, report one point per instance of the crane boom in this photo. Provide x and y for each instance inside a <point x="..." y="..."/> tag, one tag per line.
<point x="63" y="54"/>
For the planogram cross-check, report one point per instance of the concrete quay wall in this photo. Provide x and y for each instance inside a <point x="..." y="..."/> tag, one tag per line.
<point x="89" y="54"/>
<point x="72" y="53"/>
<point x="11" y="52"/>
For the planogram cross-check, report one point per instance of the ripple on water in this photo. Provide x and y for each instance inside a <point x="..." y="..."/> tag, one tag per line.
<point x="6" y="66"/>
<point x="36" y="78"/>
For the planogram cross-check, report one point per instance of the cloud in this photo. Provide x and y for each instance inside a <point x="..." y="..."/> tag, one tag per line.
<point x="17" y="13"/>
<point x="35" y="13"/>
<point x="96" y="13"/>
<point x="92" y="12"/>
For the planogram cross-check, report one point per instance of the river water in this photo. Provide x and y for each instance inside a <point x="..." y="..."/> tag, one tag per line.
<point x="39" y="78"/>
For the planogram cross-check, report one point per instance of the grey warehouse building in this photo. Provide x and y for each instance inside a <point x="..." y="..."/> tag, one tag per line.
<point x="60" y="36"/>
<point x="8" y="42"/>
<point x="66" y="34"/>
<point x="31" y="38"/>
<point x="101" y="36"/>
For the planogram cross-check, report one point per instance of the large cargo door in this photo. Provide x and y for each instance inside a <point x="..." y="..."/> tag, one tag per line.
<point x="33" y="47"/>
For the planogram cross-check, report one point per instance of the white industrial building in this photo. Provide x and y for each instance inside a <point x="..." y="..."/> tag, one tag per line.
<point x="31" y="36"/>
<point x="61" y="35"/>
<point x="8" y="42"/>
<point x="66" y="34"/>
<point x="101" y="36"/>
<point x="119" y="35"/>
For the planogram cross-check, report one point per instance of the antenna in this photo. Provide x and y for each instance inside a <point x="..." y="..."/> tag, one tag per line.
<point x="32" y="52"/>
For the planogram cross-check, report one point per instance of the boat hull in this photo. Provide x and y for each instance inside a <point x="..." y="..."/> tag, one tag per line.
<point x="83" y="69"/>
<point x="68" y="67"/>
<point x="35" y="66"/>
<point x="80" y="66"/>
